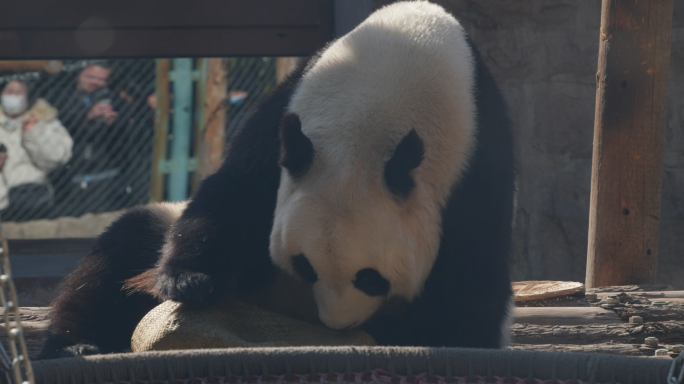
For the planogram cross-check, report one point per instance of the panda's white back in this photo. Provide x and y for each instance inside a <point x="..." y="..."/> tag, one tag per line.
<point x="408" y="66"/>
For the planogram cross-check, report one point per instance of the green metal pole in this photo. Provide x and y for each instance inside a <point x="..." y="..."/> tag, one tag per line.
<point x="181" y="76"/>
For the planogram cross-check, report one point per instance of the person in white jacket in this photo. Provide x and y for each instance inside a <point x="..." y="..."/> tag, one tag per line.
<point x="34" y="143"/>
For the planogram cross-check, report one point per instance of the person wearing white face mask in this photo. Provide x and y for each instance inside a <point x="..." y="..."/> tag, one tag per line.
<point x="34" y="143"/>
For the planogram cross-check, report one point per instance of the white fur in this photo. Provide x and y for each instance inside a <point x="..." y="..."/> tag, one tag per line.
<point x="407" y="66"/>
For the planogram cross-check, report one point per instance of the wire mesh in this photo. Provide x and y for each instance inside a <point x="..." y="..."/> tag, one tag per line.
<point x="111" y="164"/>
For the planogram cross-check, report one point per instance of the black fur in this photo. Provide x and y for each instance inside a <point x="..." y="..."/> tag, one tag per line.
<point x="304" y="269"/>
<point x="296" y="150"/>
<point x="92" y="314"/>
<point x="220" y="244"/>
<point x="407" y="156"/>
<point x="371" y="282"/>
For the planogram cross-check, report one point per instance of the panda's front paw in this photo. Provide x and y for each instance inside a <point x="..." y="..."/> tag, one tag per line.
<point x="185" y="286"/>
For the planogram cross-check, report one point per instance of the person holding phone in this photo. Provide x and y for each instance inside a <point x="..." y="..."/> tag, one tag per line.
<point x="33" y="142"/>
<point x="90" y="110"/>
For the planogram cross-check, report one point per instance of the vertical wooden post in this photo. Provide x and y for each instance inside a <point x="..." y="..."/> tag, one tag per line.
<point x="161" y="129"/>
<point x="284" y="65"/>
<point x="212" y="129"/>
<point x="634" y="56"/>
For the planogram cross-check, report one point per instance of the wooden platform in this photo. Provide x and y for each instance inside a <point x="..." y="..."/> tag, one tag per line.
<point x="573" y="325"/>
<point x="566" y="323"/>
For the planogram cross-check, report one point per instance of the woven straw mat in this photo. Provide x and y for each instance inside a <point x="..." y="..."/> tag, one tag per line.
<point x="233" y="324"/>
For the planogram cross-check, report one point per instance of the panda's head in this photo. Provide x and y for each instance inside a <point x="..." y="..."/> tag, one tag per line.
<point x="371" y="147"/>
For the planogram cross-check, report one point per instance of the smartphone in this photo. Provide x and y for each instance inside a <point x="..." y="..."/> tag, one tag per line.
<point x="3" y="149"/>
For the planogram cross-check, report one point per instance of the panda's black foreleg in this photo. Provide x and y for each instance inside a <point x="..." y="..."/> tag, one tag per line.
<point x="220" y="244"/>
<point x="92" y="314"/>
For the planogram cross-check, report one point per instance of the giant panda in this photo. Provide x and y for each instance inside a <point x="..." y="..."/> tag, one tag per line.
<point x="380" y="174"/>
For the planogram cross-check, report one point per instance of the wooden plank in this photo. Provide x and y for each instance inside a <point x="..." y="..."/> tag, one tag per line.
<point x="634" y="56"/>
<point x="632" y="288"/>
<point x="669" y="332"/>
<point x="48" y="66"/>
<point x="49" y="246"/>
<point x="607" y="348"/>
<point x="34" y="266"/>
<point x="34" y="314"/>
<point x="649" y="295"/>
<point x="161" y="129"/>
<point x="212" y="132"/>
<point x="34" y="322"/>
<point x="673" y="311"/>
<point x="565" y="315"/>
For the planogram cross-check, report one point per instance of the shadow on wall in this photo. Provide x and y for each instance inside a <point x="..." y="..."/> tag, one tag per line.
<point x="544" y="57"/>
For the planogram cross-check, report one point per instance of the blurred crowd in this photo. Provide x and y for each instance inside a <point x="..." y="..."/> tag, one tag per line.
<point x="81" y="140"/>
<point x="69" y="151"/>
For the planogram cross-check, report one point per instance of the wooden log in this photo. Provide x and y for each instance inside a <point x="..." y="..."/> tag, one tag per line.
<point x="562" y="301"/>
<point x="607" y="348"/>
<point x="34" y="322"/>
<point x="565" y="315"/>
<point x="31" y="314"/>
<point x="649" y="295"/>
<point x="631" y="288"/>
<point x="672" y="311"/>
<point x="671" y="332"/>
<point x="634" y="56"/>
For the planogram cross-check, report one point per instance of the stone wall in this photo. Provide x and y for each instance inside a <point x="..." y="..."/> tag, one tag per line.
<point x="544" y="55"/>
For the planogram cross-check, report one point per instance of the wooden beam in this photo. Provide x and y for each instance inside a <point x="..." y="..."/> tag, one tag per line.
<point x="667" y="332"/>
<point x="161" y="129"/>
<point x="48" y="66"/>
<point x="157" y="28"/>
<point x="565" y="316"/>
<point x="604" y="348"/>
<point x="634" y="56"/>
<point x="212" y="131"/>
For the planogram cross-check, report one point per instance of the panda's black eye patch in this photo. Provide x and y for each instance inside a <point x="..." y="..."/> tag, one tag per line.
<point x="407" y="156"/>
<point x="370" y="282"/>
<point x="296" y="150"/>
<point x="304" y="269"/>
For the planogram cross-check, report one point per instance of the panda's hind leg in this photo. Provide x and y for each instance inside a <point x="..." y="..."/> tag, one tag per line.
<point x="92" y="313"/>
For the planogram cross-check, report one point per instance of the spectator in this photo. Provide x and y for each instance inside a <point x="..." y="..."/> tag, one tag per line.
<point x="91" y="182"/>
<point x="136" y="126"/>
<point x="34" y="142"/>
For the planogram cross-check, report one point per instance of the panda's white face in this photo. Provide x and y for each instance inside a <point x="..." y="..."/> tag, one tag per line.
<point x="361" y="233"/>
<point x="378" y="132"/>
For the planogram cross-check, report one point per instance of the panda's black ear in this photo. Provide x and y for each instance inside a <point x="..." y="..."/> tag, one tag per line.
<point x="296" y="150"/>
<point x="407" y="156"/>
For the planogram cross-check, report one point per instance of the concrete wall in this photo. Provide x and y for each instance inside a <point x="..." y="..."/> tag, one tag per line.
<point x="544" y="55"/>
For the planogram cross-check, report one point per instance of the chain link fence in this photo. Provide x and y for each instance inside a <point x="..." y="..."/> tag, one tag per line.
<point x="110" y="167"/>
